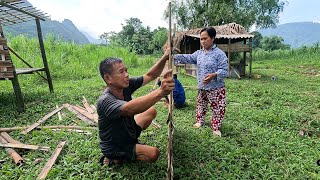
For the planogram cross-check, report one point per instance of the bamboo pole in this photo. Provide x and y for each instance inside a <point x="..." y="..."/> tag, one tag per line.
<point x="18" y="160"/>
<point x="169" y="121"/>
<point x="41" y="120"/>
<point x="51" y="161"/>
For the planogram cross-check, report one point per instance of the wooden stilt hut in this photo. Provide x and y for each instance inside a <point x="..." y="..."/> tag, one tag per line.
<point x="231" y="38"/>
<point x="14" y="12"/>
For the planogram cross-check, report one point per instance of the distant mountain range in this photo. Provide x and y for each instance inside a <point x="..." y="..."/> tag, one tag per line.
<point x="92" y="39"/>
<point x="296" y="34"/>
<point x="65" y="29"/>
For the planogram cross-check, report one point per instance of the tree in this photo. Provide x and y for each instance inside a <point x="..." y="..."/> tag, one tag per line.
<point x="137" y="38"/>
<point x="273" y="43"/>
<point x="159" y="38"/>
<point x="257" y="39"/>
<point x="108" y="37"/>
<point x="198" y="13"/>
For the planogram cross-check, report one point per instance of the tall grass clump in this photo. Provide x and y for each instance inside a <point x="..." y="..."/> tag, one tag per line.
<point x="293" y="54"/>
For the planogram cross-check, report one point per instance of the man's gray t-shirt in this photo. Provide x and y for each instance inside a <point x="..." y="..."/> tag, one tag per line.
<point x="117" y="133"/>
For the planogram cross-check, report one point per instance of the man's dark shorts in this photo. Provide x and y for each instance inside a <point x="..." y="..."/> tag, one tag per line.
<point x="130" y="154"/>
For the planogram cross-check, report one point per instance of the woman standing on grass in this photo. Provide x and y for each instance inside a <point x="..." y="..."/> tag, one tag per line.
<point x="212" y="68"/>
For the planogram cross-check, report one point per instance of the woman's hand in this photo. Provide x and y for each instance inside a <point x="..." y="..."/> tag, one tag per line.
<point x="209" y="77"/>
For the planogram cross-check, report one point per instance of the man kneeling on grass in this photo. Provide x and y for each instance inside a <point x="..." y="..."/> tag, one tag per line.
<point x="121" y="118"/>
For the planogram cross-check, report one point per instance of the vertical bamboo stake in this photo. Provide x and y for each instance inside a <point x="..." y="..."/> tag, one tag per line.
<point x="170" y="125"/>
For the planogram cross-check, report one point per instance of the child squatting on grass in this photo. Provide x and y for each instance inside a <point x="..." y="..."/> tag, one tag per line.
<point x="121" y="118"/>
<point x="179" y="96"/>
<point x="212" y="68"/>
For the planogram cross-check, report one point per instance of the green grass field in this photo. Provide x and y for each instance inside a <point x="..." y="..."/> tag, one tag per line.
<point x="260" y="140"/>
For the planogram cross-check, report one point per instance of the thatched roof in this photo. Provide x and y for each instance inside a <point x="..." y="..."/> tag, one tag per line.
<point x="227" y="31"/>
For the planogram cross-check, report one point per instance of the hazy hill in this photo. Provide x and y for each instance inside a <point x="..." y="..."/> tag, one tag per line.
<point x="296" y="34"/>
<point x="65" y="29"/>
<point x="92" y="39"/>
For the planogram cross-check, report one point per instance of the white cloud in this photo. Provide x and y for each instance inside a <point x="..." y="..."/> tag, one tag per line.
<point x="98" y="16"/>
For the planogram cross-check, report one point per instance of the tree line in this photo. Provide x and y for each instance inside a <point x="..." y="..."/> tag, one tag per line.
<point x="191" y="14"/>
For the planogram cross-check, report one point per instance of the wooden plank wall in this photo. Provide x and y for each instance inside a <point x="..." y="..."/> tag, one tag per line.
<point x="6" y="66"/>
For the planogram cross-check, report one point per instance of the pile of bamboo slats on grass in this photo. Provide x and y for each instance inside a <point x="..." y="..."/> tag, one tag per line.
<point x="87" y="113"/>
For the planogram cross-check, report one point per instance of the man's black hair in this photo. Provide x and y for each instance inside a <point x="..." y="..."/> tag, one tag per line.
<point x="106" y="66"/>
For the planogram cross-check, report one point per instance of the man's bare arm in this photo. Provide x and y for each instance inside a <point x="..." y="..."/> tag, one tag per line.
<point x="143" y="103"/>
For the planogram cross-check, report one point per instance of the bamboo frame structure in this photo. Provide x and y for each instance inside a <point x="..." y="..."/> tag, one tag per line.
<point x="14" y="12"/>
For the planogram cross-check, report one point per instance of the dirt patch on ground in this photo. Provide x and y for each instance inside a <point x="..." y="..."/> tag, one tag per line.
<point x="310" y="70"/>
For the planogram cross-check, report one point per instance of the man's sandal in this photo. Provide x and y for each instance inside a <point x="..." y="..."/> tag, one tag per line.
<point x="197" y="125"/>
<point x="109" y="162"/>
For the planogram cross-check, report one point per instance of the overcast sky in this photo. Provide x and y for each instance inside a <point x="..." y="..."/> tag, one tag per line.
<point x="98" y="16"/>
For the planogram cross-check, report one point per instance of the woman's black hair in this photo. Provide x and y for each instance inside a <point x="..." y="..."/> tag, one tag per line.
<point x="210" y="30"/>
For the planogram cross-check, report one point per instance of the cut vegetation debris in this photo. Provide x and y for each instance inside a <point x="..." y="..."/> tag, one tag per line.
<point x="86" y="113"/>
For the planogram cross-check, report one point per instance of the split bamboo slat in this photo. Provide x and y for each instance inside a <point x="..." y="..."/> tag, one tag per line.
<point x="87" y="105"/>
<point x="24" y="146"/>
<point x="41" y="120"/>
<point x="79" y="115"/>
<point x="43" y="174"/>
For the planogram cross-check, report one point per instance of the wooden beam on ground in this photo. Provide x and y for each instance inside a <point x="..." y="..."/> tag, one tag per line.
<point x="18" y="160"/>
<point x="68" y="127"/>
<point x="9" y="139"/>
<point x="41" y="120"/>
<point x="12" y="129"/>
<point x="87" y="105"/>
<point x="79" y="115"/>
<point x="24" y="146"/>
<point x="93" y="107"/>
<point x="47" y="127"/>
<point x="59" y="114"/>
<point x="74" y="130"/>
<point x="93" y="117"/>
<point x="51" y="161"/>
<point x="155" y="124"/>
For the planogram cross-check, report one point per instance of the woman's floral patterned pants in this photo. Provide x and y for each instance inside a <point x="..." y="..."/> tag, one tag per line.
<point x="217" y="100"/>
